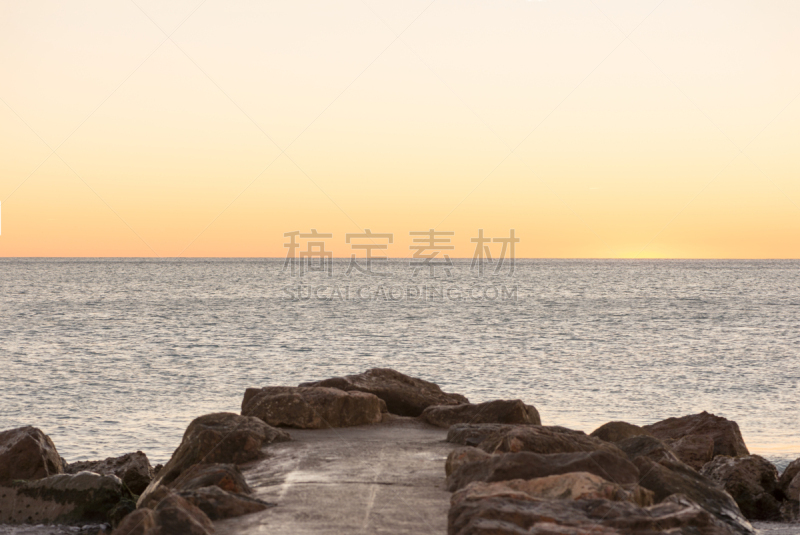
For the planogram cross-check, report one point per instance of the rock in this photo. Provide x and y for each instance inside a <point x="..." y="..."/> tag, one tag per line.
<point x="495" y="438"/>
<point x="217" y="438"/>
<point x="139" y="522"/>
<point x="751" y="480"/>
<point x="225" y="476"/>
<point x="311" y="407"/>
<point x="616" y="431"/>
<point x="500" y="411"/>
<point x="463" y="455"/>
<point x="132" y="468"/>
<point x="26" y="454"/>
<point x="404" y="395"/>
<point x="789" y="481"/>
<point x="528" y="465"/>
<point x="570" y="486"/>
<point x="667" y="478"/>
<point x="123" y="508"/>
<point x="647" y="446"/>
<point x="60" y="499"/>
<point x="790" y="511"/>
<point x="503" y="516"/>
<point x="694" y="450"/>
<point x="218" y="504"/>
<point x="725" y="433"/>
<point x="170" y="515"/>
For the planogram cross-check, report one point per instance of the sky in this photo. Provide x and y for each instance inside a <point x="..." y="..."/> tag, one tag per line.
<point x="594" y="129"/>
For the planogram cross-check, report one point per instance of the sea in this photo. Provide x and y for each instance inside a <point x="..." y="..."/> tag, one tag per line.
<point x="110" y="356"/>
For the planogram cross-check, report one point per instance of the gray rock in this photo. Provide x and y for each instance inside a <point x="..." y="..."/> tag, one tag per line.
<point x="60" y="499"/>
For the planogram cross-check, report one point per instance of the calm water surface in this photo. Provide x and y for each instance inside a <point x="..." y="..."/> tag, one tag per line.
<point x="112" y="356"/>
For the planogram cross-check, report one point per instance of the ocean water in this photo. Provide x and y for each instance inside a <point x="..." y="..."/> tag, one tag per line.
<point x="110" y="356"/>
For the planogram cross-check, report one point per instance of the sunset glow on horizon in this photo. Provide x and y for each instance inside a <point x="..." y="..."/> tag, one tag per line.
<point x="594" y="129"/>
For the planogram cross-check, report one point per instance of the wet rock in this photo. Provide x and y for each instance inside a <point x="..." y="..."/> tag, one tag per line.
<point x="528" y="465"/>
<point x="570" y="486"/>
<point x="225" y="476"/>
<point x="495" y="438"/>
<point x="404" y="395"/>
<point x="667" y="478"/>
<point x="725" y="433"/>
<point x="463" y="455"/>
<point x="132" y="468"/>
<point x="646" y="446"/>
<point x="26" y="454"/>
<point x="60" y="499"/>
<point x="500" y="411"/>
<point x="751" y="480"/>
<point x="311" y="407"/>
<point x="171" y="514"/>
<point x="217" y="438"/>
<point x="503" y="516"/>
<point x="616" y="431"/>
<point x="789" y="481"/>
<point x="218" y="504"/>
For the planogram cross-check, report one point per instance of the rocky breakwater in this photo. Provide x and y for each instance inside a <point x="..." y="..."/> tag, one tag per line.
<point x="37" y="486"/>
<point x="532" y="479"/>
<point x="508" y="473"/>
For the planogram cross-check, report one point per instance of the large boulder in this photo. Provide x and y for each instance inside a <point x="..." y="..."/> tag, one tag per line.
<point x="166" y="513"/>
<point x="228" y="477"/>
<point x="532" y="516"/>
<point x="404" y="395"/>
<point x="218" y="504"/>
<point x="616" y="431"/>
<point x="500" y="411"/>
<point x="666" y="478"/>
<point x="528" y="465"/>
<point x="26" y="454"/>
<point x="60" y="499"/>
<point x="647" y="446"/>
<point x="694" y="450"/>
<point x="752" y="481"/>
<point x="497" y="438"/>
<point x="725" y="433"/>
<point x="570" y="486"/>
<point x="311" y="407"/>
<point x="217" y="438"/>
<point x="132" y="468"/>
<point x="790" y="481"/>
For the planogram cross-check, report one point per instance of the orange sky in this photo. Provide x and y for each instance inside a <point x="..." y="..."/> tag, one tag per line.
<point x="613" y="129"/>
